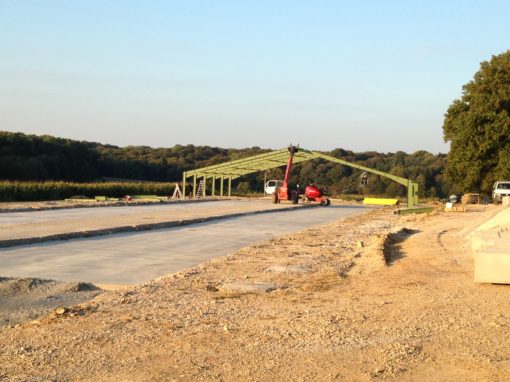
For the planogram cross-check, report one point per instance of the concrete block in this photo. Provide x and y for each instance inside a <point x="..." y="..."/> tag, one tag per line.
<point x="492" y="265"/>
<point x="488" y="239"/>
<point x="501" y="220"/>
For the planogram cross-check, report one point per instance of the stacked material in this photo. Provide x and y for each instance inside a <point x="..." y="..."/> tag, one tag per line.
<point x="450" y="207"/>
<point x="470" y="198"/>
<point x="490" y="246"/>
<point x="381" y="201"/>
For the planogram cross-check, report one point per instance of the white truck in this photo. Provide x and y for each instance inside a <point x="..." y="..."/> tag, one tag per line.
<point x="501" y="188"/>
<point x="272" y="185"/>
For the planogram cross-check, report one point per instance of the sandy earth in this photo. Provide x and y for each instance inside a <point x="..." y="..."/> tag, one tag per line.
<point x="25" y="299"/>
<point x="346" y="301"/>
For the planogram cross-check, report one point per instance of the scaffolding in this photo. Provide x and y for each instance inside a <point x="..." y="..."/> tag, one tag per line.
<point x="224" y="173"/>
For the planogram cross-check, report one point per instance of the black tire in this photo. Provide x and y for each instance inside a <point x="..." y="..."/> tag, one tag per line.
<point x="328" y="202"/>
<point x="274" y="198"/>
<point x="294" y="196"/>
<point x="323" y="202"/>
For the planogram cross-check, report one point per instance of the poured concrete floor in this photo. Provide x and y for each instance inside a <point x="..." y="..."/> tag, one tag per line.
<point x="133" y="258"/>
<point x="22" y="225"/>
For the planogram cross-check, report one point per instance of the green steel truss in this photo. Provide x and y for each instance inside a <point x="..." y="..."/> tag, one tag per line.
<point x="234" y="169"/>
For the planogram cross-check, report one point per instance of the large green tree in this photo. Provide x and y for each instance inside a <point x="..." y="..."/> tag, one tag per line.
<point x="478" y="127"/>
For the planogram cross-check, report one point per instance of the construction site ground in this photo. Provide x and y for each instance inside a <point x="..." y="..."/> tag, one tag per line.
<point x="372" y="297"/>
<point x="131" y="258"/>
<point x="35" y="223"/>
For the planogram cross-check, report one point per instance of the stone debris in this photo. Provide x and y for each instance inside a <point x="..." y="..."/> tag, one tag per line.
<point x="61" y="311"/>
<point x="24" y="299"/>
<point x="277" y="268"/>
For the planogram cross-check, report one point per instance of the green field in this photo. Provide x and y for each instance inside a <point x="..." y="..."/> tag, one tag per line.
<point x="31" y="191"/>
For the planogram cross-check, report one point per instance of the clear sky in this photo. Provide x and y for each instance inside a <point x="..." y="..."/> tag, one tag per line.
<point x="361" y="75"/>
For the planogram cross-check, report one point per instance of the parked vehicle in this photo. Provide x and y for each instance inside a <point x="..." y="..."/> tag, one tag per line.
<point x="287" y="192"/>
<point x="272" y="185"/>
<point x="501" y="188"/>
<point x="315" y="194"/>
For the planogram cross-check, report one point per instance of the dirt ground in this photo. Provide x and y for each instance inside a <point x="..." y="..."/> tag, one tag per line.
<point x="374" y="297"/>
<point x="73" y="203"/>
<point x="25" y="299"/>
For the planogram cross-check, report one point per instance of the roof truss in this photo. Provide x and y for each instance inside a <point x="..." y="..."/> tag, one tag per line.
<point x="278" y="158"/>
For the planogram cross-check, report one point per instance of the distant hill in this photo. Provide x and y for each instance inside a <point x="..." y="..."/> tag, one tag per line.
<point x="31" y="157"/>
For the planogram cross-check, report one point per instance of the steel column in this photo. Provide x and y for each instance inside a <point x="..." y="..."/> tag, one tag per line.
<point x="410" y="194"/>
<point x="183" y="185"/>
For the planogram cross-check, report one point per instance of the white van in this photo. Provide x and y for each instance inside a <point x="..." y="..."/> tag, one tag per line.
<point x="271" y="186"/>
<point x="501" y="188"/>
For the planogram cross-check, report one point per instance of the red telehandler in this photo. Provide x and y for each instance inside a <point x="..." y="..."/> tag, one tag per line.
<point x="284" y="192"/>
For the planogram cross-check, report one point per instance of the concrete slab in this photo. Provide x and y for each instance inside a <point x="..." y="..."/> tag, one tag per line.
<point x="38" y="226"/>
<point x="132" y="258"/>
<point x="501" y="219"/>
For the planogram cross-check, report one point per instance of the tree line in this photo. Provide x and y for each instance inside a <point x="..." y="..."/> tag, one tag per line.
<point x="477" y="124"/>
<point x="46" y="158"/>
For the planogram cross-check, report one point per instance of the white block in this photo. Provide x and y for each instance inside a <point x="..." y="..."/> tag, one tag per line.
<point x="492" y="265"/>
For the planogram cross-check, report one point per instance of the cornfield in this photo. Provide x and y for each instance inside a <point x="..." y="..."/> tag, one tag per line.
<point x="31" y="191"/>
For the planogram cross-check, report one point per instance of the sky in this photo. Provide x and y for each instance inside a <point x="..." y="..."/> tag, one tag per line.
<point x="358" y="75"/>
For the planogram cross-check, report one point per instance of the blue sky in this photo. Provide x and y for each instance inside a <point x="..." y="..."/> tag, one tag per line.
<point x="372" y="75"/>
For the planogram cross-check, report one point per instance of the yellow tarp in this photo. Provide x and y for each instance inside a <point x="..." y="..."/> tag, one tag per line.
<point x="381" y="201"/>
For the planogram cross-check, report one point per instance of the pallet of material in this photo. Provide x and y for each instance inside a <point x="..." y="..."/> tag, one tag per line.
<point x="455" y="209"/>
<point x="105" y="199"/>
<point x="470" y="198"/>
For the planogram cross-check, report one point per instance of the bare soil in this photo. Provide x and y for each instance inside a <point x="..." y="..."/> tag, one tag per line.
<point x="25" y="299"/>
<point x="374" y="297"/>
<point x="72" y="203"/>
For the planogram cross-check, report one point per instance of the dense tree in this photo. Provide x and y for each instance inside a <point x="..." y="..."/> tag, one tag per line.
<point x="29" y="157"/>
<point x="478" y="127"/>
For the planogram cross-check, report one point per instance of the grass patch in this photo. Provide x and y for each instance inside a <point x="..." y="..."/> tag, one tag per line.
<point x="13" y="191"/>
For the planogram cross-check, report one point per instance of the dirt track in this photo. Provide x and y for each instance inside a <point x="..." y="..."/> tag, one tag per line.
<point x="333" y="310"/>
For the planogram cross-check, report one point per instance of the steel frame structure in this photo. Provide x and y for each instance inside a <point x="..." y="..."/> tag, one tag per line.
<point x="234" y="169"/>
